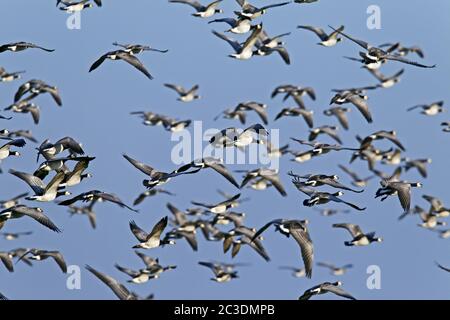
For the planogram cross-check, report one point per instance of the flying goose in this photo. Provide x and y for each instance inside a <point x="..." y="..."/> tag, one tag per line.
<point x="181" y="233"/>
<point x="6" y="204"/>
<point x="266" y="45"/>
<point x="431" y="109"/>
<point x="402" y="189"/>
<point x="356" y="99"/>
<point x="119" y="290"/>
<point x="357" y="181"/>
<point x="253" y="12"/>
<point x="36" y="87"/>
<point x="19" y="253"/>
<point x="297" y="112"/>
<point x="359" y="238"/>
<point x="21" y="46"/>
<point x="26" y="134"/>
<point x="25" y="106"/>
<point x="5" y="150"/>
<point x="296" y="92"/>
<point x="240" y="25"/>
<point x="138" y="277"/>
<point x="317" y="180"/>
<point x="19" y="211"/>
<point x="266" y="174"/>
<point x="9" y="76"/>
<point x="340" y="113"/>
<point x="446" y="126"/>
<point x="325" y="288"/>
<point x="404" y="51"/>
<point x="234" y="137"/>
<point x="156" y="178"/>
<point x="430" y="220"/>
<point x="436" y="204"/>
<point x="386" y="82"/>
<point x="318" y="198"/>
<point x="72" y="7"/>
<point x="242" y="51"/>
<point x="220" y="272"/>
<point x="419" y="164"/>
<point x="43" y="192"/>
<point x="149" y="240"/>
<point x="442" y="267"/>
<point x="184" y="95"/>
<point x="121" y="55"/>
<point x="233" y="114"/>
<point x="137" y="48"/>
<point x="330" y="131"/>
<point x="366" y="143"/>
<point x="296" y="272"/>
<point x="335" y="271"/>
<point x="206" y="11"/>
<point x="49" y="150"/>
<point x="150" y="193"/>
<point x="259" y="108"/>
<point x="39" y="255"/>
<point x="220" y="207"/>
<point x="327" y="212"/>
<point x="85" y="210"/>
<point x="96" y="195"/>
<point x="235" y="238"/>
<point x="57" y="164"/>
<point x="205" y="163"/>
<point x="327" y="40"/>
<point x="299" y="231"/>
<point x="376" y="54"/>
<point x="74" y="177"/>
<point x="14" y="235"/>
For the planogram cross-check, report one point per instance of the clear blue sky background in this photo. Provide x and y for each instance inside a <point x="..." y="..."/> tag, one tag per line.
<point x="96" y="112"/>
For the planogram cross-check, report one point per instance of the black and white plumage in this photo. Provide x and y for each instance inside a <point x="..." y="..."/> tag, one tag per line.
<point x="121" y="55"/>
<point x="20" y="211"/>
<point x="96" y="195"/>
<point x="149" y="240"/>
<point x="326" y="287"/>
<point x="299" y="231"/>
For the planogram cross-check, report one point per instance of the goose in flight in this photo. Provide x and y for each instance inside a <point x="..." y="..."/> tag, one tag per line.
<point x="375" y="54"/>
<point x="184" y="95"/>
<point x="137" y="48"/>
<point x="326" y="40"/>
<point x="221" y="273"/>
<point x="43" y="192"/>
<point x="358" y="237"/>
<point x="240" y="25"/>
<point x="119" y="289"/>
<point x="325" y="288"/>
<point x="202" y="11"/>
<point x="40" y="255"/>
<point x="149" y="240"/>
<point x="252" y="12"/>
<point x="244" y="51"/>
<point x="37" y="87"/>
<point x="19" y="211"/>
<point x="234" y="137"/>
<point x="5" y="150"/>
<point x="318" y="198"/>
<point x="299" y="231"/>
<point x="21" y="46"/>
<point x="269" y="175"/>
<point x="121" y="55"/>
<point x="96" y="196"/>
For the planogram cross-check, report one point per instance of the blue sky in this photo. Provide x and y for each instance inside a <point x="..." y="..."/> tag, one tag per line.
<point x="96" y="112"/>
